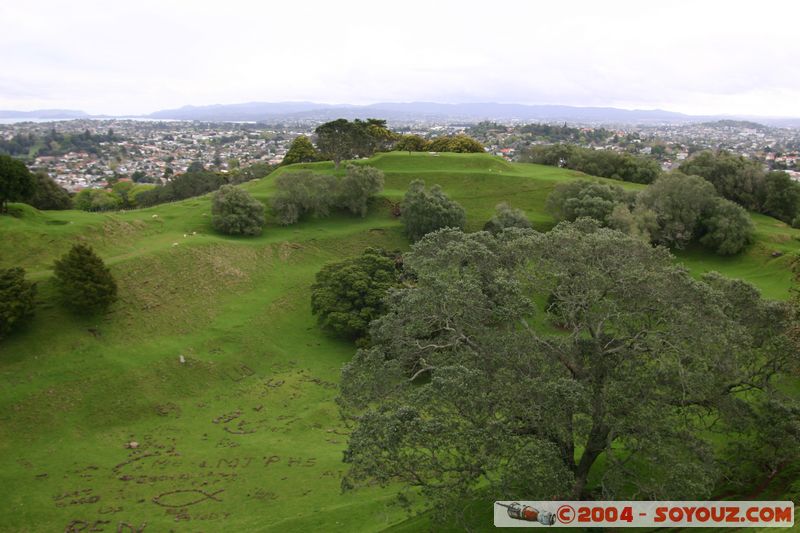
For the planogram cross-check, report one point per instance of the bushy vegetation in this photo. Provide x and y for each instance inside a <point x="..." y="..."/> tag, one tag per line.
<point x="674" y="210"/>
<point x="572" y="200"/>
<point x="194" y="182"/>
<point x="745" y="182"/>
<point x="55" y="143"/>
<point x="16" y="182"/>
<point x="48" y="195"/>
<point x="357" y="187"/>
<point x="507" y="217"/>
<point x="17" y="299"/>
<point x="446" y="143"/>
<point x="235" y="212"/>
<point x="460" y="143"/>
<point x="424" y="211"/>
<point x="96" y="200"/>
<point x="726" y="227"/>
<point x="341" y="139"/>
<point x="348" y="295"/>
<point x="306" y="193"/>
<point x="84" y="282"/>
<point x="603" y="163"/>
<point x="679" y="202"/>
<point x="301" y="151"/>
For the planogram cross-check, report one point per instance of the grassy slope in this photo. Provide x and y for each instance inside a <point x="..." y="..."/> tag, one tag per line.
<point x="251" y="412"/>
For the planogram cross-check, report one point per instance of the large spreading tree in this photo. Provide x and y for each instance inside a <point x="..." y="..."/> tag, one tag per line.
<point x="341" y="139"/>
<point x="475" y="388"/>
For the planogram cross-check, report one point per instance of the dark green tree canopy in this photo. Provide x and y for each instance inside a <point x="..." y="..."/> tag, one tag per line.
<point x="349" y="294"/>
<point x="735" y="178"/>
<point x="782" y="196"/>
<point x="48" y="195"/>
<point x="97" y="200"/>
<point x="583" y="198"/>
<point x="679" y="202"/>
<point x="84" y="282"/>
<point x="426" y="211"/>
<point x="411" y="143"/>
<point x="17" y="299"/>
<point x="301" y="151"/>
<point x="341" y="139"/>
<point x="456" y="143"/>
<point x="464" y="394"/>
<point x="235" y="212"/>
<point x="16" y="182"/>
<point x="603" y="163"/>
<point x="727" y="228"/>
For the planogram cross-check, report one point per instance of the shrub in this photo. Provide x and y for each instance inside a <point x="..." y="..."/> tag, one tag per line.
<point x="349" y="294"/>
<point x="411" y="143"/>
<point x="96" y="200"/>
<point x="734" y="177"/>
<point x="83" y="280"/>
<point x="641" y="222"/>
<point x="301" y="193"/>
<point x="16" y="299"/>
<point x="727" y="227"/>
<point x="301" y="151"/>
<point x="357" y="187"/>
<point x="506" y="217"/>
<point x="582" y="198"/>
<point x="679" y="202"/>
<point x="457" y="143"/>
<point x="235" y="212"/>
<point x="48" y="195"/>
<point x="603" y="163"/>
<point x="426" y="211"/>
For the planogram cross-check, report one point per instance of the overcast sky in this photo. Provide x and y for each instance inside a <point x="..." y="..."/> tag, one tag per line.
<point x="126" y="57"/>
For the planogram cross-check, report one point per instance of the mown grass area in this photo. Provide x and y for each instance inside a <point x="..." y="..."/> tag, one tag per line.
<point x="246" y="428"/>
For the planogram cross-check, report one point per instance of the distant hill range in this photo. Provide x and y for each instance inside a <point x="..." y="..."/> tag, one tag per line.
<point x="412" y="111"/>
<point x="261" y="111"/>
<point x="44" y="113"/>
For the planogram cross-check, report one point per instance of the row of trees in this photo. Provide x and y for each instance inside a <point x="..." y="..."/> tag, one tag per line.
<point x="603" y="163"/>
<point x="341" y="139"/>
<point x="459" y="143"/>
<point x="55" y="143"/>
<point x="747" y="183"/>
<point x="304" y="193"/>
<point x="83" y="282"/>
<point x="674" y="210"/>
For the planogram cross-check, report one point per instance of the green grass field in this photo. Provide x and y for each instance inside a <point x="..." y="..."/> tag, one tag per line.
<point x="243" y="436"/>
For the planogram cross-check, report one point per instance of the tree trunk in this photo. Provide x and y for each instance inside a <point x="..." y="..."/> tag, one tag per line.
<point x="595" y="445"/>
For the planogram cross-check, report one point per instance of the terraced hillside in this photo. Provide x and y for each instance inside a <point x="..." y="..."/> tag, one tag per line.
<point x="244" y="435"/>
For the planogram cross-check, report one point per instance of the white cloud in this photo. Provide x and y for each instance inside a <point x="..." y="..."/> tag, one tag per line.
<point x="136" y="57"/>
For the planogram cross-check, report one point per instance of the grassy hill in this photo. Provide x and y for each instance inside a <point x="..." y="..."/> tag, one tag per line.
<point x="244" y="435"/>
